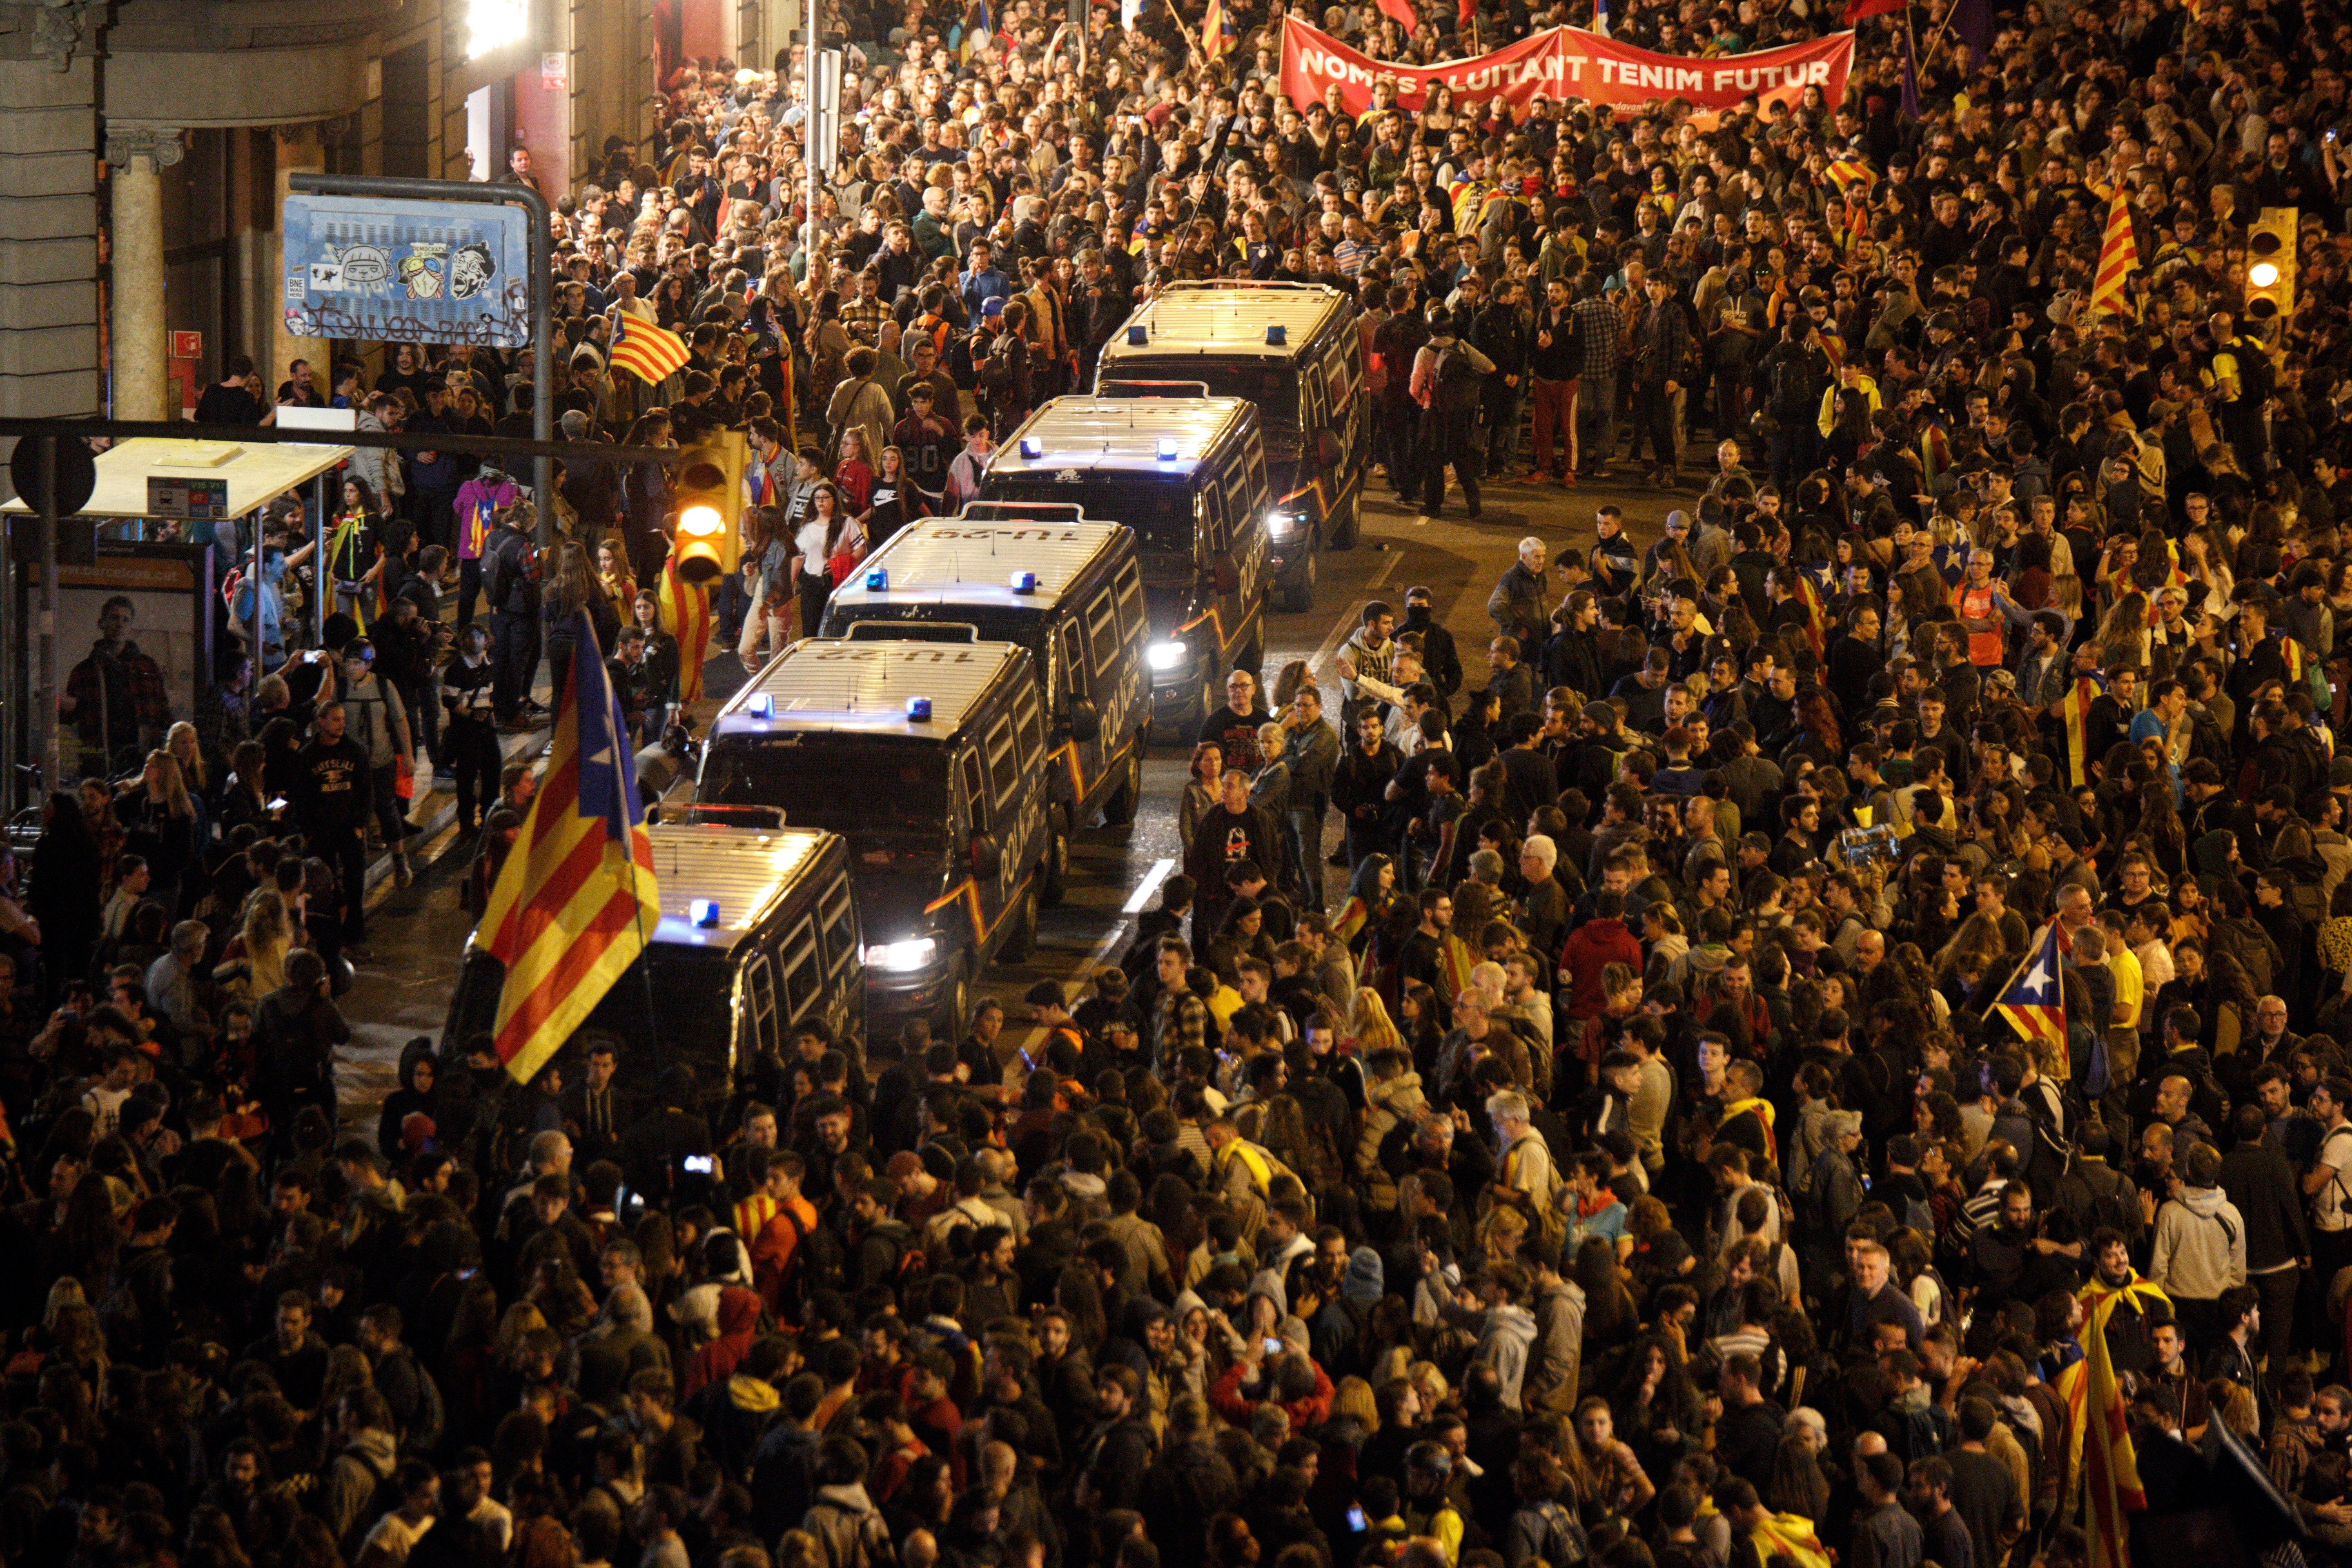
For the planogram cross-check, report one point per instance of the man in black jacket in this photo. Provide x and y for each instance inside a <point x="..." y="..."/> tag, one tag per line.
<point x="1500" y="333"/>
<point x="332" y="796"/>
<point x="2261" y="1184"/>
<point x="514" y="617"/>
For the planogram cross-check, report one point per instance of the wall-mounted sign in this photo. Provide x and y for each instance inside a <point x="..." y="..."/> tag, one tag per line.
<point x="187" y="345"/>
<point x="554" y="71"/>
<point x="407" y="272"/>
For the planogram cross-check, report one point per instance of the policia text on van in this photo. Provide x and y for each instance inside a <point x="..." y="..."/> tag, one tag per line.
<point x="1292" y="349"/>
<point x="759" y="933"/>
<point x="930" y="758"/>
<point x="1066" y="589"/>
<point x="1187" y="475"/>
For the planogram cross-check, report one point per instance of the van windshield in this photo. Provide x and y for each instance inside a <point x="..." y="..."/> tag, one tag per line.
<point x="1160" y="514"/>
<point x="889" y="801"/>
<point x="1271" y="385"/>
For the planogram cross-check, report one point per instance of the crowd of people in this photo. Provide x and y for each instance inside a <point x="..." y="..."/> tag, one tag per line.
<point x="1645" y="1155"/>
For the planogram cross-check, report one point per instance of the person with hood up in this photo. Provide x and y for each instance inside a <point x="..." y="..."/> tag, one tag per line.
<point x="736" y="1319"/>
<point x="850" y="1531"/>
<point x="1338" y="1328"/>
<point x="2200" y="1249"/>
<point x="620" y="1344"/>
<point x="1554" y="1361"/>
<point x="412" y="1098"/>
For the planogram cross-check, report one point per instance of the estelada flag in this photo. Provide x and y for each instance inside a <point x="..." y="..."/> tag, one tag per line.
<point x="645" y="351"/>
<point x="575" y="902"/>
<point x="1817" y="621"/>
<point x="686" y="615"/>
<point x="1216" y="30"/>
<point x="2031" y="1001"/>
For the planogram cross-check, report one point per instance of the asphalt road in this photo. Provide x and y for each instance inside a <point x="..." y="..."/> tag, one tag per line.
<point x="418" y="933"/>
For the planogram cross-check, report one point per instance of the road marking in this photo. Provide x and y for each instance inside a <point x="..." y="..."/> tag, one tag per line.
<point x="1388" y="569"/>
<point x="1149" y="886"/>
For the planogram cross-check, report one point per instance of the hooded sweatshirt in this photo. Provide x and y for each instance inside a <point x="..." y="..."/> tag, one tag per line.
<point x="2200" y="1245"/>
<point x="1511" y="1331"/>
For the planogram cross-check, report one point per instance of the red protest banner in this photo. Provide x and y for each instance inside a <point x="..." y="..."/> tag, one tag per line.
<point x="1565" y="63"/>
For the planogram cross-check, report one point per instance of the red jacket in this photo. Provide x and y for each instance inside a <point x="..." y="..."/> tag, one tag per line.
<point x="1590" y="948"/>
<point x="1227" y="1398"/>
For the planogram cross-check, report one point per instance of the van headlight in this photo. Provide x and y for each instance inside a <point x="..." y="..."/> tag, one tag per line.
<point x="912" y="953"/>
<point x="1285" y="524"/>
<point x="1170" y="654"/>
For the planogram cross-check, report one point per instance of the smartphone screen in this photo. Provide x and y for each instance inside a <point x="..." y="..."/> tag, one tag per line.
<point x="1272" y="1347"/>
<point x="1356" y="1520"/>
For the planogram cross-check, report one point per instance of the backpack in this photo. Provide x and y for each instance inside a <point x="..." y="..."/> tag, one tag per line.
<point x="1457" y="386"/>
<point x="2117" y="1206"/>
<point x="2206" y="738"/>
<point x="1797" y="381"/>
<point x="423" y="1434"/>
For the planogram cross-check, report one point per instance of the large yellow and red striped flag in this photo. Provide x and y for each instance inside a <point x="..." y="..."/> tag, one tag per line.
<point x="1216" y="33"/>
<point x="1817" y="620"/>
<point x="575" y="902"/>
<point x="1790" y="1536"/>
<point x="645" y="351"/>
<point x="2098" y="1435"/>
<point x="2118" y="259"/>
<point x="686" y="615"/>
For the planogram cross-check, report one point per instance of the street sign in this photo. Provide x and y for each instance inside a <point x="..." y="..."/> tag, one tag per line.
<point x="198" y="499"/>
<point x="407" y="271"/>
<point x="187" y="345"/>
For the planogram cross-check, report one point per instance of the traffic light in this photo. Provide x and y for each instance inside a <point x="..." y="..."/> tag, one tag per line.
<point x="2270" y="267"/>
<point x="710" y="494"/>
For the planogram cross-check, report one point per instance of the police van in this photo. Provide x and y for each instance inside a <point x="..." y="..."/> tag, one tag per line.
<point x="930" y="759"/>
<point x="758" y="932"/>
<point x="1187" y="475"/>
<point x="1292" y="350"/>
<point x="1065" y="587"/>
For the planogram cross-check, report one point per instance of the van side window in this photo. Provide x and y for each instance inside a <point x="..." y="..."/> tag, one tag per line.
<point x="1074" y="658"/>
<point x="1102" y="632"/>
<point x="759" y="1031"/>
<point x="1237" y="504"/>
<point x="1310" y="402"/>
<point x="1024" y="713"/>
<point x="1336" y="375"/>
<point x="1130" y="602"/>
<point x="1004" y="767"/>
<point x="1210" y="509"/>
<point x="801" y="969"/>
<point x="838" y="914"/>
<point x="975" y="792"/>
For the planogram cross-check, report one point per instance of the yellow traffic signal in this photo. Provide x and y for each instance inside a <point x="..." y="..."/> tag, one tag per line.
<point x="708" y="493"/>
<point x="2270" y="267"/>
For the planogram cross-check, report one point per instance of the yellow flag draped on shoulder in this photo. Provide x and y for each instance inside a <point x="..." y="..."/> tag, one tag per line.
<point x="1790" y="1536"/>
<point x="2118" y="259"/>
<point x="2098" y="1436"/>
<point x="575" y="902"/>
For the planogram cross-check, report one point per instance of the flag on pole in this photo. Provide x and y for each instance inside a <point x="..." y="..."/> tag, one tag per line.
<point x="686" y="615"/>
<point x="1463" y="13"/>
<point x="976" y="26"/>
<point x="2118" y="259"/>
<point x="1817" y="620"/>
<point x="1601" y="17"/>
<point x="1401" y="12"/>
<point x="573" y="906"/>
<point x="645" y="351"/>
<point x="1856" y="10"/>
<point x="1216" y="30"/>
<point x="1910" y="87"/>
<point x="2031" y="1003"/>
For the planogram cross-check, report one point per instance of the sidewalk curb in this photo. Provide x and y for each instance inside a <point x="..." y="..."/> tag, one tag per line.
<point x="443" y="803"/>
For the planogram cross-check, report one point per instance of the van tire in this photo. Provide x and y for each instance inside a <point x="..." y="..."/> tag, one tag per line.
<point x="1054" y="879"/>
<point x="1118" y="807"/>
<point x="957" y="1004"/>
<point x="1021" y="941"/>
<point x="1352" y="527"/>
<point x="1301" y="596"/>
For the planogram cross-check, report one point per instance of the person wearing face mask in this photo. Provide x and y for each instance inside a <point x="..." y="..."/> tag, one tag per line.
<point x="1440" y="663"/>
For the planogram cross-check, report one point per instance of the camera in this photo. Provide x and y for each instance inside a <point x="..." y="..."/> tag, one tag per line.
<point x="1868" y="846"/>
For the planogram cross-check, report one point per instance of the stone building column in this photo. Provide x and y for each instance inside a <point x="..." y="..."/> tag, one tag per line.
<point x="135" y="155"/>
<point x="299" y="149"/>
